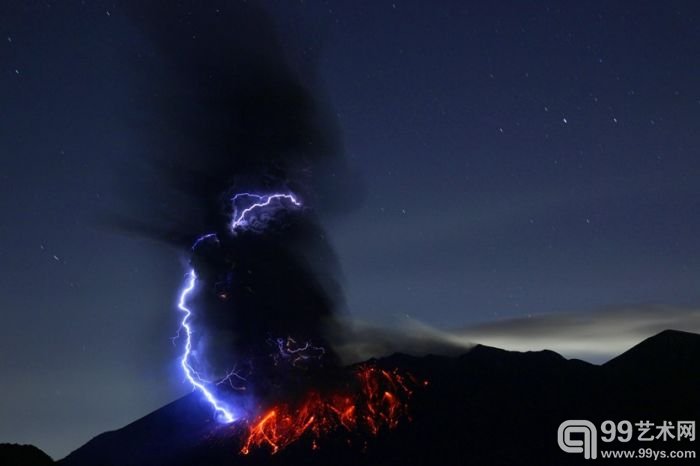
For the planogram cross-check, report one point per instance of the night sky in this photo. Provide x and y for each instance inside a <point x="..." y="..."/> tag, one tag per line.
<point x="517" y="159"/>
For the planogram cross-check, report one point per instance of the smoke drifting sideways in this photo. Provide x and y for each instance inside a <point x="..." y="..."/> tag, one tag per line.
<point x="228" y="114"/>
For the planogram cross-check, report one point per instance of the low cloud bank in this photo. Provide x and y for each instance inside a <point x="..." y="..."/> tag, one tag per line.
<point x="592" y="336"/>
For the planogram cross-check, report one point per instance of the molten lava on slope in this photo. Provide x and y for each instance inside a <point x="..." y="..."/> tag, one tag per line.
<point x="376" y="399"/>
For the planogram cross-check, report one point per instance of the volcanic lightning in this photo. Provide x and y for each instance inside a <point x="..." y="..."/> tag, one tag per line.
<point x="190" y="373"/>
<point x="240" y="221"/>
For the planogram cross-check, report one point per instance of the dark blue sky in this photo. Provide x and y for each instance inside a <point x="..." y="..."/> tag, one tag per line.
<point x="517" y="158"/>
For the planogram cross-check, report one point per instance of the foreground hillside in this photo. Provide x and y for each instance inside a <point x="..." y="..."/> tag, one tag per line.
<point x="486" y="407"/>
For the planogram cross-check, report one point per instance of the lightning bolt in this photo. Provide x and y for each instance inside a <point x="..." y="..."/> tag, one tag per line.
<point x="225" y="414"/>
<point x="240" y="221"/>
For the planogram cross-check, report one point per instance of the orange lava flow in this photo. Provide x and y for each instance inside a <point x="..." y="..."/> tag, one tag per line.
<point x="378" y="402"/>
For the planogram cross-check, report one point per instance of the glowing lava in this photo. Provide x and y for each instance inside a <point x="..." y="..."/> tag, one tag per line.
<point x="379" y="401"/>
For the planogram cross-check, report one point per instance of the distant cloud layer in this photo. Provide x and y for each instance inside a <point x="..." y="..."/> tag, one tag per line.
<point x="592" y="336"/>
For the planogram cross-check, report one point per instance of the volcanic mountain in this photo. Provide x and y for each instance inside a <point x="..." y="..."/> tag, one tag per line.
<point x="486" y="407"/>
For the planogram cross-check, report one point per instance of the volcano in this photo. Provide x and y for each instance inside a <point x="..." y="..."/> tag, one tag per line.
<point x="486" y="407"/>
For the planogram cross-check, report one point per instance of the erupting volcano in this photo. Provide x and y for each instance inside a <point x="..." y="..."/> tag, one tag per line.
<point x="372" y="400"/>
<point x="250" y="161"/>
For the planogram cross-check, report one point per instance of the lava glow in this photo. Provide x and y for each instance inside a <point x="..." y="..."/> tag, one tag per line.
<point x="378" y="402"/>
<point x="240" y="221"/>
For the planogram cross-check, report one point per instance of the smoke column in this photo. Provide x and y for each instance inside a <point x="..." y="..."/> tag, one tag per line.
<point x="230" y="123"/>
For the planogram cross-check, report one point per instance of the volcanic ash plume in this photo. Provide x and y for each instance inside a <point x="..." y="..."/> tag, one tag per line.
<point x="247" y="157"/>
<point x="244" y="153"/>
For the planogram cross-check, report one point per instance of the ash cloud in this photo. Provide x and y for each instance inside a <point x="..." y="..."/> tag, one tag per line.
<point x="594" y="336"/>
<point x="225" y="112"/>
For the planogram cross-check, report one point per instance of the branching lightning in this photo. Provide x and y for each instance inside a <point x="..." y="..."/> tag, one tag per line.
<point x="240" y="221"/>
<point x="289" y="349"/>
<point x="190" y="373"/>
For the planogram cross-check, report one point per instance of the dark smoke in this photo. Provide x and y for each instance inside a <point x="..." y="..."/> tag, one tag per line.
<point x="226" y="113"/>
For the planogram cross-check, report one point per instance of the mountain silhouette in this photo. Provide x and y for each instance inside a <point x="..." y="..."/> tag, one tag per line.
<point x="670" y="351"/>
<point x="12" y="454"/>
<point x="486" y="407"/>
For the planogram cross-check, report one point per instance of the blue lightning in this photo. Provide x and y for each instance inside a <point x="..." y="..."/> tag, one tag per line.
<point x="240" y="221"/>
<point x="225" y="414"/>
<point x="204" y="238"/>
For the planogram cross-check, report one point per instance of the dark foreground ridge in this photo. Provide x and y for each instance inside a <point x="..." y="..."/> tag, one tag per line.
<point x="486" y="407"/>
<point x="13" y="454"/>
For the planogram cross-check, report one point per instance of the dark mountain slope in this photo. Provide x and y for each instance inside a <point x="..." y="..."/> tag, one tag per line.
<point x="12" y="454"/>
<point x="486" y="407"/>
<point x="670" y="351"/>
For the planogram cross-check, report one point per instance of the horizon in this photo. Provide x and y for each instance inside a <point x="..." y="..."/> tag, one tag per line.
<point x="464" y="351"/>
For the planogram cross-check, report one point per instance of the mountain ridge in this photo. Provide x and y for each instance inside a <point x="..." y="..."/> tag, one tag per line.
<point x="486" y="406"/>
